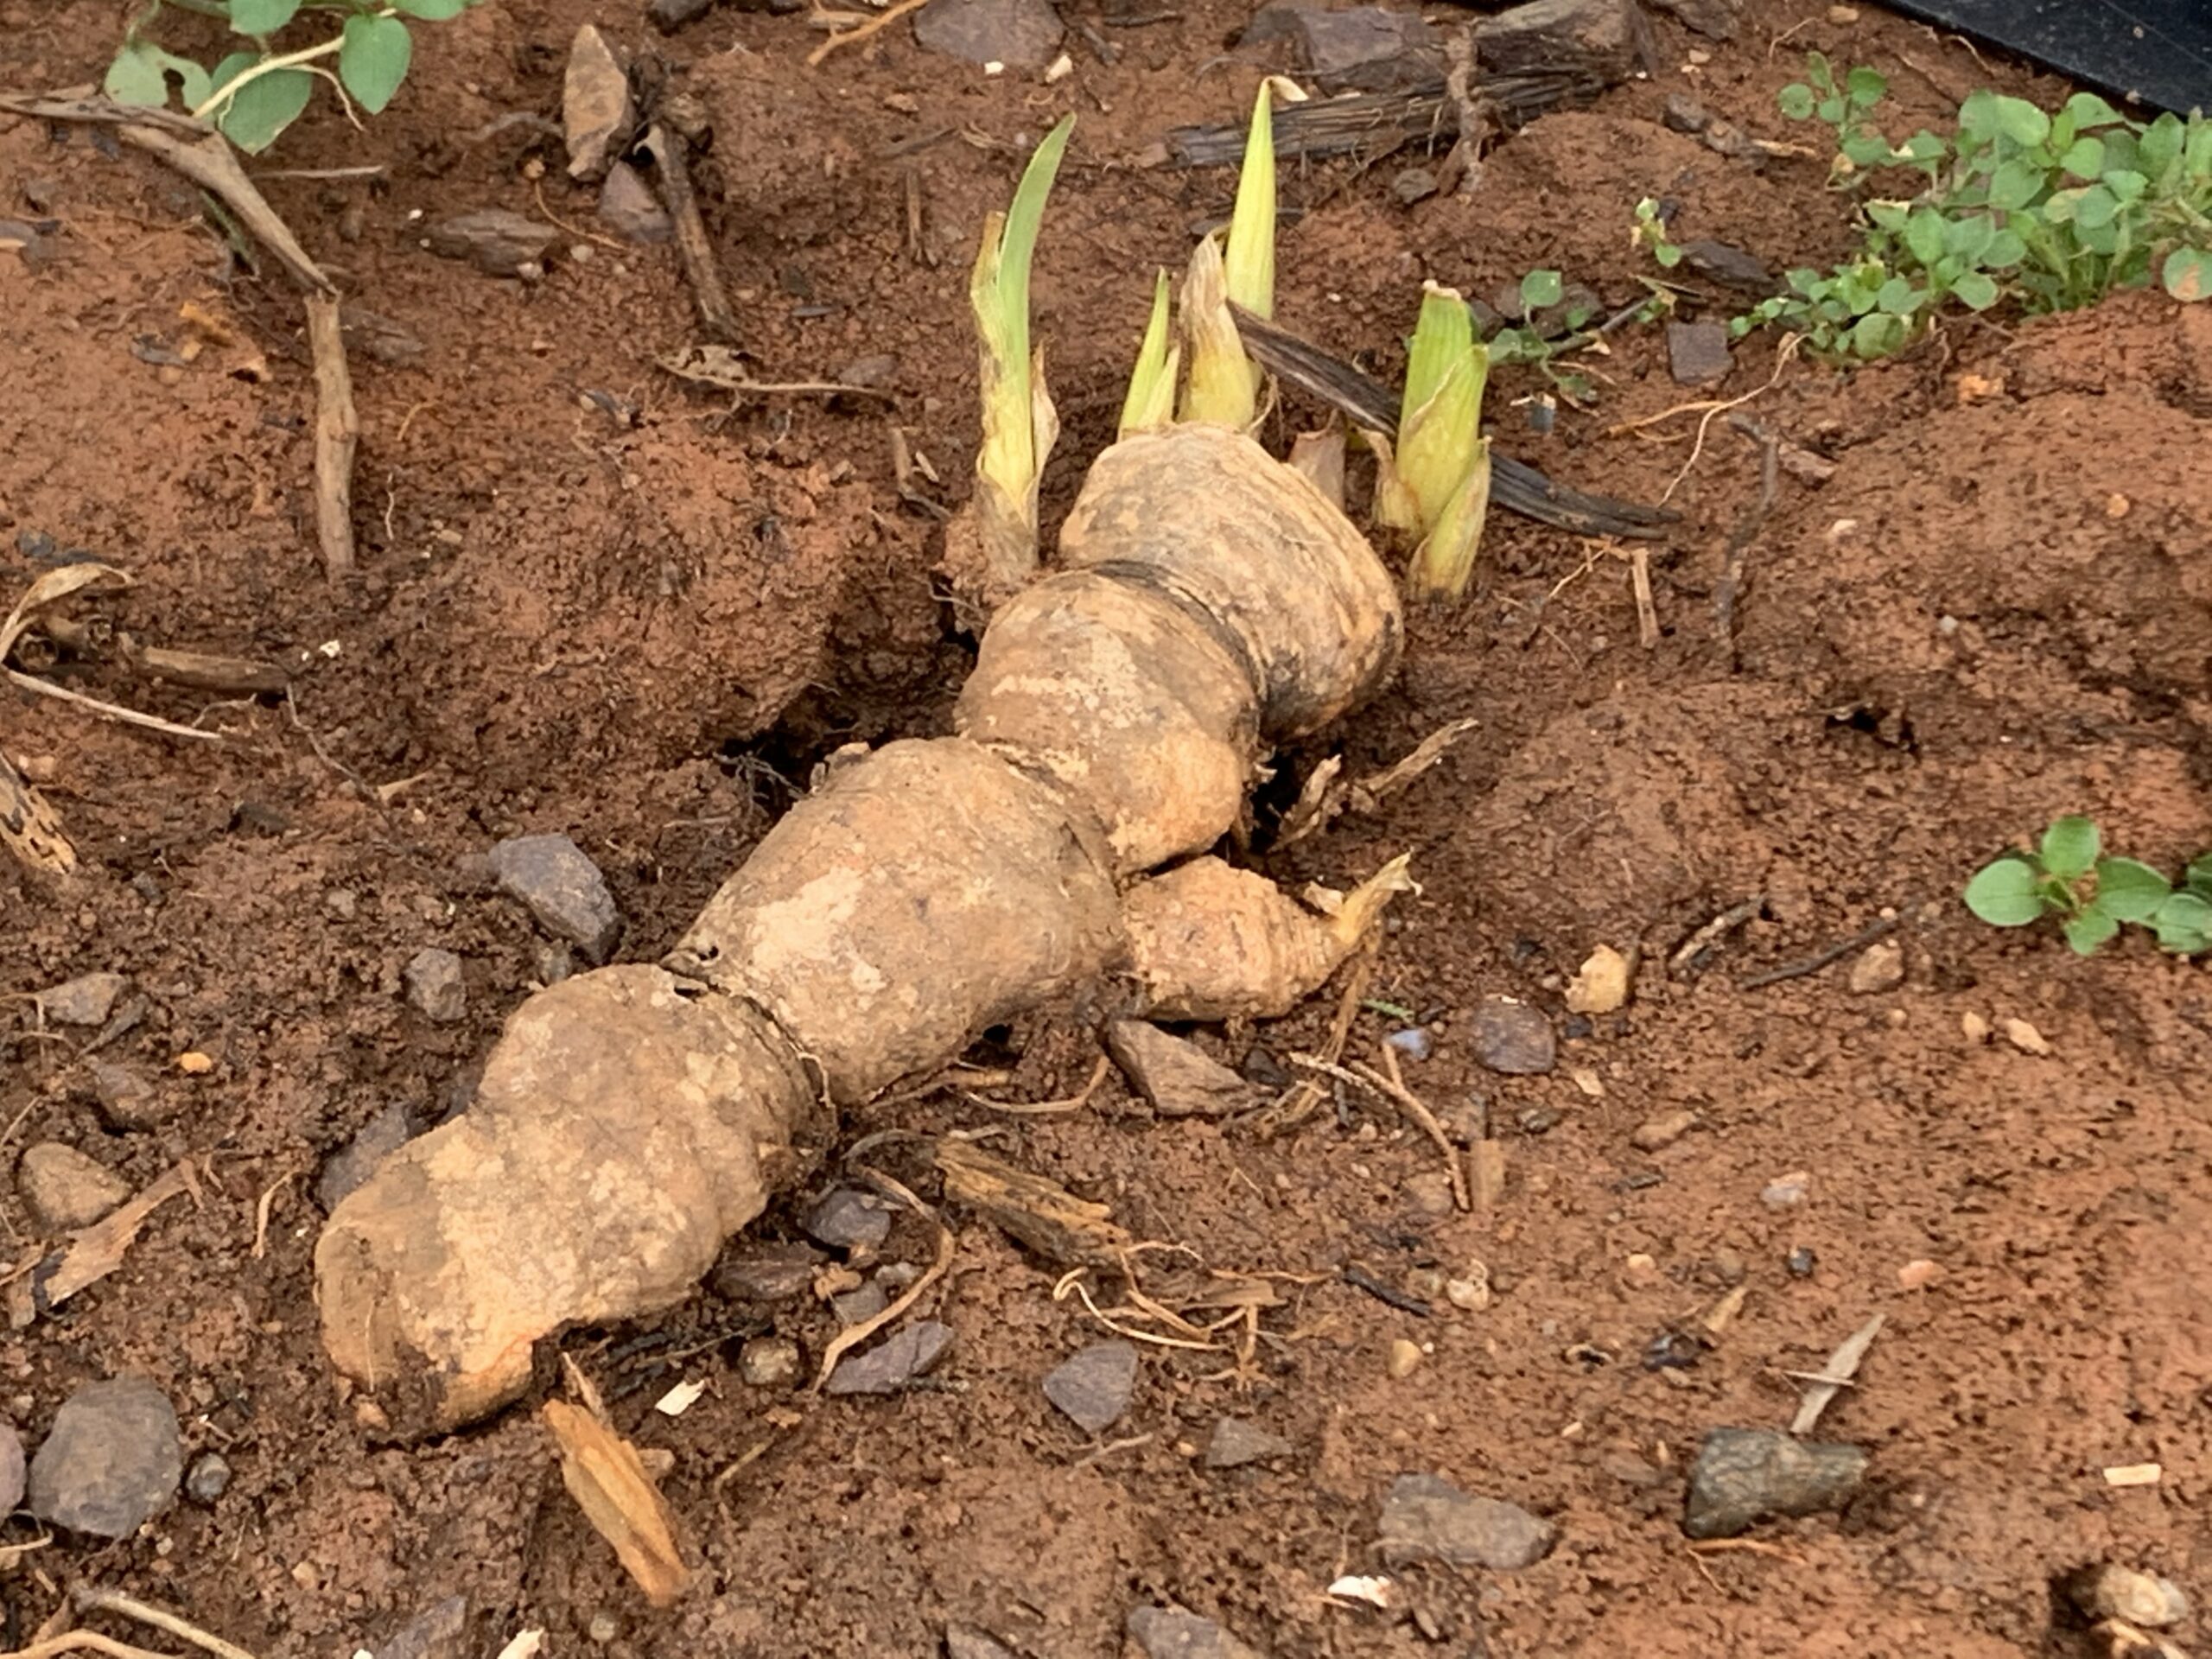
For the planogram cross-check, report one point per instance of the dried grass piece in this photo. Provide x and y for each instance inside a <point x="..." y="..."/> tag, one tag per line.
<point x="94" y="1253"/>
<point x="604" y="1474"/>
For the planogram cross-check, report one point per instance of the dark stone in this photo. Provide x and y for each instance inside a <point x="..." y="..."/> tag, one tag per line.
<point x="1715" y="19"/>
<point x="1173" y="1074"/>
<point x="439" y="1631"/>
<point x="434" y="985"/>
<point x="892" y="1364"/>
<point x="1609" y="39"/>
<point x="1414" y="184"/>
<point x="1426" y="1518"/>
<point x="1236" y="1443"/>
<point x="628" y="207"/>
<point x="495" y="241"/>
<point x="767" y="1273"/>
<point x="1354" y="49"/>
<point x="1263" y="1069"/>
<point x="1171" y="1633"/>
<point x="352" y="1164"/>
<point x="208" y="1478"/>
<point x="1538" y="1120"/>
<point x="392" y="344"/>
<point x="1672" y="1351"/>
<point x="1743" y="1475"/>
<point x="846" y="1219"/>
<point x="1731" y="267"/>
<point x="859" y="1306"/>
<point x="112" y="1461"/>
<point x="1697" y="352"/>
<point x="1685" y="114"/>
<point x="563" y="889"/>
<point x="1094" y="1386"/>
<point x="125" y="1098"/>
<point x="1802" y="1261"/>
<point x="1020" y="34"/>
<point x="1513" y="1038"/>
<point x="86" y="1000"/>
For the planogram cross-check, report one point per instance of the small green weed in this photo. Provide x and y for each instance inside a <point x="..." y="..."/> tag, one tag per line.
<point x="2052" y="210"/>
<point x="1650" y="233"/>
<point x="1526" y="343"/>
<point x="255" y="92"/>
<point x="2069" y="877"/>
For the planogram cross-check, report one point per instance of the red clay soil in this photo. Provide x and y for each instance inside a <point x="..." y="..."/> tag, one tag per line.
<point x="642" y="629"/>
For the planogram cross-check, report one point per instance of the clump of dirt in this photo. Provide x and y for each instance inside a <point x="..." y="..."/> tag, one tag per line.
<point x="597" y="600"/>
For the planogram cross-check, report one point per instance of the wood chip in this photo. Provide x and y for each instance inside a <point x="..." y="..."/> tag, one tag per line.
<point x="1067" y="1232"/>
<point x="2134" y="1474"/>
<point x="679" y="1398"/>
<point x="1842" y="1366"/>
<point x="96" y="1252"/>
<point x="604" y="1474"/>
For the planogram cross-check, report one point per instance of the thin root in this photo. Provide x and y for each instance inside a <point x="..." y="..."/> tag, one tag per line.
<point x="1074" y="1103"/>
<point x="861" y="31"/>
<point x="92" y="1600"/>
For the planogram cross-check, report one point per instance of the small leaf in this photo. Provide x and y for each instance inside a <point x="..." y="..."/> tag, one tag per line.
<point x="2007" y="893"/>
<point x="262" y="16"/>
<point x="1667" y="255"/>
<point x="2183" y="923"/>
<point x="135" y="78"/>
<point x="2126" y="183"/>
<point x="1925" y="234"/>
<point x="2129" y="889"/>
<point x="1817" y="70"/>
<point x="1898" y="297"/>
<point x="2090" y="929"/>
<point x="1540" y="289"/>
<point x="2199" y="875"/>
<point x="1866" y="86"/>
<point x="1831" y="110"/>
<point x="1877" y="334"/>
<point x="373" y="59"/>
<point x="1796" y="101"/>
<point x="1978" y="115"/>
<point x="2188" y="273"/>
<point x="2020" y="121"/>
<point x="1975" y="289"/>
<point x="2097" y="208"/>
<point x="1967" y="237"/>
<point x="2005" y="249"/>
<point x="264" y="107"/>
<point x="2084" y="158"/>
<point x="2161" y="143"/>
<point x="2015" y="184"/>
<point x="1866" y="150"/>
<point x="432" y="11"/>
<point x="2090" y="111"/>
<point x="2070" y="848"/>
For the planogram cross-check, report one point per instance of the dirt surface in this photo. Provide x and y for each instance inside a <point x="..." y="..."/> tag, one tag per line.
<point x="642" y="627"/>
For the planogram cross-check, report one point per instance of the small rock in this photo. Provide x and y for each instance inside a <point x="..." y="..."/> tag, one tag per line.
<point x="1023" y="33"/>
<point x="1263" y="1070"/>
<point x="848" y="1219"/>
<point x="1880" y="967"/>
<point x="603" y="1629"/>
<point x="1715" y="19"/>
<point x="859" y="1306"/>
<point x="439" y="1631"/>
<point x="1697" y="353"/>
<point x="889" y="1366"/>
<point x="595" y="108"/>
<point x="1093" y="1387"/>
<point x="1469" y="1291"/>
<point x="769" y="1362"/>
<point x="1171" y="1633"/>
<point x="1786" y="1191"/>
<point x="125" y="1098"/>
<point x="2025" y="1037"/>
<point x="500" y="243"/>
<point x="1177" y="1077"/>
<point x="1672" y="1351"/>
<point x="1538" y="1120"/>
<point x="1657" y="1133"/>
<point x="875" y="372"/>
<point x="1600" y="985"/>
<point x="1918" y="1274"/>
<point x="2115" y="1591"/>
<point x="1428" y="1196"/>
<point x="1414" y="184"/>
<point x="112" y="1461"/>
<point x="767" y="1273"/>
<point x="1973" y="1026"/>
<point x="208" y="1478"/>
<point x="1428" y="1518"/>
<point x="434" y="985"/>
<point x="961" y="1642"/>
<point x="11" y="1467"/>
<point x="563" y="889"/>
<point x="1404" y="1358"/>
<point x="1801" y="1261"/>
<point x="1236" y="1443"/>
<point x="86" y="1000"/>
<point x="1640" y="1271"/>
<point x="628" y="207"/>
<point x="1742" y="1475"/>
<point x="1512" y="1038"/>
<point x="1356" y="49"/>
<point x="352" y="1164"/>
<point x="1413" y="1042"/>
<point x="64" y="1190"/>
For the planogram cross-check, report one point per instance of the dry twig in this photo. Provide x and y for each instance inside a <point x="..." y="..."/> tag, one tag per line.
<point x="337" y="434"/>
<point x="858" y="32"/>
<point x="692" y="244"/>
<point x="1074" y="1103"/>
<point x="1820" y="959"/>
<point x="1726" y="923"/>
<point x="1739" y="543"/>
<point x="92" y="1599"/>
<point x="846" y="1340"/>
<point x="1842" y="1366"/>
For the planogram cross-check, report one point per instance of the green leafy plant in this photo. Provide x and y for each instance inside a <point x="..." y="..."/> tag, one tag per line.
<point x="1650" y="232"/>
<point x="253" y="94"/>
<point x="2069" y="877"/>
<point x="1527" y="344"/>
<point x="2050" y="210"/>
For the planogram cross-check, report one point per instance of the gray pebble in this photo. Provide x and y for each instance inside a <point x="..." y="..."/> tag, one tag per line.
<point x="11" y="1467"/>
<point x="1412" y="1042"/>
<point x="1786" y="1191"/>
<point x="1171" y="1633"/>
<point x="436" y="987"/>
<point x="563" y="889"/>
<point x="1802" y="1261"/>
<point x="2143" y="1599"/>
<point x="1093" y="1387"/>
<point x="494" y="240"/>
<point x="1021" y="34"/>
<point x="1236" y="1443"/>
<point x="767" y="1273"/>
<point x="439" y="1631"/>
<point x="64" y="1190"/>
<point x="125" y="1098"/>
<point x="86" y="1000"/>
<point x="1262" y="1068"/>
<point x="628" y="207"/>
<point x="208" y="1478"/>
<point x="1414" y="184"/>
<point x="1513" y="1038"/>
<point x="354" y="1163"/>
<point x="1428" y="1518"/>
<point x="769" y="1362"/>
<point x="1697" y="353"/>
<point x="112" y="1461"/>
<point x="1744" y="1474"/>
<point x="848" y="1219"/>
<point x="892" y="1363"/>
<point x="859" y="1306"/>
